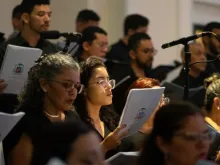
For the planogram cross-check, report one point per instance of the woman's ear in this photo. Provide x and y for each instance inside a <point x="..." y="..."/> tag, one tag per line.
<point x="216" y="103"/>
<point x="162" y="145"/>
<point x="43" y="84"/>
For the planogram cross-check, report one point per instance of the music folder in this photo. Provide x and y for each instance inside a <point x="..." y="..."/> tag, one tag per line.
<point x="15" y="66"/>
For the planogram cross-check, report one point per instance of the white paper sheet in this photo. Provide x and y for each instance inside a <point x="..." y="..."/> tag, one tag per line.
<point x="16" y="64"/>
<point x="139" y="106"/>
<point x="7" y="122"/>
<point x="123" y="158"/>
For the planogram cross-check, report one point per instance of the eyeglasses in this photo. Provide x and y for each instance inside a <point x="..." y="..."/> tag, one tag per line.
<point x="69" y="86"/>
<point x="105" y="83"/>
<point x="151" y="51"/>
<point x="102" y="44"/>
<point x="195" y="137"/>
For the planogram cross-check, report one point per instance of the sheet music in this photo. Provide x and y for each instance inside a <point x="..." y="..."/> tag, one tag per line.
<point x="139" y="106"/>
<point x="16" y="64"/>
<point x="123" y="158"/>
<point x="7" y="122"/>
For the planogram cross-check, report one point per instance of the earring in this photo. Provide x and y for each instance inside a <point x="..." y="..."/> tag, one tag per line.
<point x="45" y="90"/>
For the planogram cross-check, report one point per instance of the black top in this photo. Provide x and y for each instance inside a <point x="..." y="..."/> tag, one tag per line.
<point x="8" y="102"/>
<point x="31" y="124"/>
<point x="125" y="145"/>
<point x="214" y="65"/>
<point x="119" y="52"/>
<point x="193" y="81"/>
<point x="215" y="145"/>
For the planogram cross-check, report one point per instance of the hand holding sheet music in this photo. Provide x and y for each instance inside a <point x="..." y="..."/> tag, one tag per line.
<point x="16" y="64"/>
<point x="139" y="106"/>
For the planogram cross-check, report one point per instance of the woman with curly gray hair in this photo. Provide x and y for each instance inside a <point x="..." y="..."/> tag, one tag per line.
<point x="52" y="86"/>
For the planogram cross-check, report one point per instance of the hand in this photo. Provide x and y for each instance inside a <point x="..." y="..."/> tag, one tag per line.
<point x="3" y="85"/>
<point x="217" y="159"/>
<point x="114" y="138"/>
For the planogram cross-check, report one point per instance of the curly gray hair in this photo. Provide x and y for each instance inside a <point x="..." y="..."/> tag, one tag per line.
<point x="31" y="97"/>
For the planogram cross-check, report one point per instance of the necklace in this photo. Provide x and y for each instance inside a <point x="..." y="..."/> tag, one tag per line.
<point x="53" y="116"/>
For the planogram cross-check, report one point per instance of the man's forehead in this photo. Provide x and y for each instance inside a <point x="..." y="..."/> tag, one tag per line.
<point x="146" y="43"/>
<point x="45" y="8"/>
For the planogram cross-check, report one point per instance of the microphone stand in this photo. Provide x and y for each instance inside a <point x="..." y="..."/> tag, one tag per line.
<point x="187" y="66"/>
<point x="67" y="44"/>
<point x="66" y="47"/>
<point x="186" y="70"/>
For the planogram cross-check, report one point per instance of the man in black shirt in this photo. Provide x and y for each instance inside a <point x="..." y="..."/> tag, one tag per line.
<point x="197" y="72"/>
<point x="84" y="19"/>
<point x="94" y="43"/>
<point x="132" y="24"/>
<point x="211" y="44"/>
<point x="142" y="54"/>
<point x="35" y="18"/>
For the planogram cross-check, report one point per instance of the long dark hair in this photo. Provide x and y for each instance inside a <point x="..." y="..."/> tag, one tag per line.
<point x="31" y="97"/>
<point x="168" y="120"/>
<point x="56" y="140"/>
<point x="107" y="115"/>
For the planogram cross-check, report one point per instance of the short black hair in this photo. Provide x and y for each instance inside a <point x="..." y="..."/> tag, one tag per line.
<point x="27" y="6"/>
<point x="135" y="40"/>
<point x="211" y="25"/>
<point x="16" y="12"/>
<point x="89" y="33"/>
<point x="134" y="21"/>
<point x="87" y="15"/>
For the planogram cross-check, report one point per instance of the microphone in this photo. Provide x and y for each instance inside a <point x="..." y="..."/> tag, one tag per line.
<point x="54" y="34"/>
<point x="185" y="39"/>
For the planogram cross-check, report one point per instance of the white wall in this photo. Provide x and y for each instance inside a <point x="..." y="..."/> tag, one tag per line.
<point x="6" y="7"/>
<point x="204" y="12"/>
<point x="64" y="14"/>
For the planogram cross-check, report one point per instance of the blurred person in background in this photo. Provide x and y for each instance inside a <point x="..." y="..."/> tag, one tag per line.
<point x="133" y="23"/>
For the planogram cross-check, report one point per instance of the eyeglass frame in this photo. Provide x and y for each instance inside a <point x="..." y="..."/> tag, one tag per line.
<point x="106" y="81"/>
<point x="151" y="51"/>
<point x="198" y="136"/>
<point x="72" y="86"/>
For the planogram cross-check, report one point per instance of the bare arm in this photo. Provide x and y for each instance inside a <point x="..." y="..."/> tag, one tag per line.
<point x="22" y="152"/>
